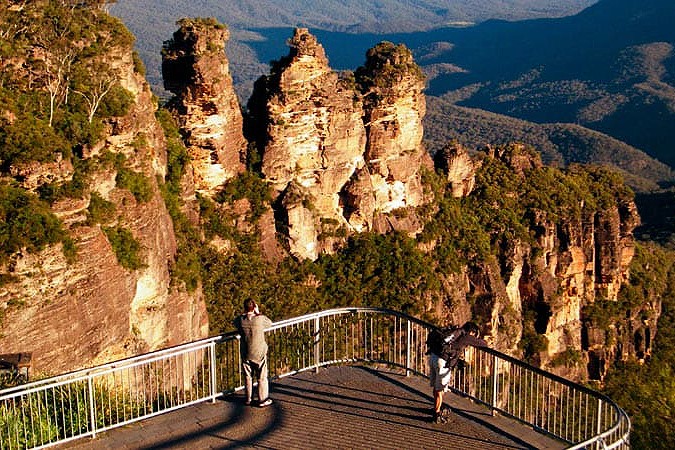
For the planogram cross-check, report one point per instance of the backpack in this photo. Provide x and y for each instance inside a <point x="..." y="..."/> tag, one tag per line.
<point x="440" y="341"/>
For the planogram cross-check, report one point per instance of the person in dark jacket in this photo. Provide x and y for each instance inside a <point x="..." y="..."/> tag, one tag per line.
<point x="253" y="349"/>
<point x="443" y="359"/>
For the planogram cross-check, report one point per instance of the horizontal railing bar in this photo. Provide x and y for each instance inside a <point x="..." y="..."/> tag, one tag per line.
<point x="84" y="373"/>
<point x="549" y="375"/>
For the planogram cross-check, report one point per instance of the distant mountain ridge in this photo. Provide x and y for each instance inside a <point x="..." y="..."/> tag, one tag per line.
<point x="609" y="68"/>
<point x="152" y="21"/>
<point x="559" y="143"/>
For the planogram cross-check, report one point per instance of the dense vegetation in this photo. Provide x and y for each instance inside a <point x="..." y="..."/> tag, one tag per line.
<point x="58" y="89"/>
<point x="26" y="222"/>
<point x="56" y="98"/>
<point x="58" y="86"/>
<point x="393" y="271"/>
<point x="647" y="390"/>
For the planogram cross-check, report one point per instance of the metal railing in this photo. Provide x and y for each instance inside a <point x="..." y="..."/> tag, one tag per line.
<point x="87" y="402"/>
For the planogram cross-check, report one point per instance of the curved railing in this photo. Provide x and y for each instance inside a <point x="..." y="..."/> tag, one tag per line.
<point x="88" y="402"/>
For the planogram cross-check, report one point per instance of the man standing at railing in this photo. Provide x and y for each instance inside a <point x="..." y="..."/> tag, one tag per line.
<point x="445" y="347"/>
<point x="253" y="349"/>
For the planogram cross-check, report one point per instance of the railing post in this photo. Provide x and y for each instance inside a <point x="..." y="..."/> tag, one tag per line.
<point x="408" y="345"/>
<point x="599" y="430"/>
<point x="92" y="407"/>
<point x="317" y="355"/>
<point x="212" y="363"/>
<point x="495" y="374"/>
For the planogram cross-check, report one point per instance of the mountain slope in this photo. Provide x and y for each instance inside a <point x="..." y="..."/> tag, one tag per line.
<point x="152" y="21"/>
<point x="559" y="143"/>
<point x="609" y="68"/>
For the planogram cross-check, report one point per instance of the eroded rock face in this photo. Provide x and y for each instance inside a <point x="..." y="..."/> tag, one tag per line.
<point x="196" y="70"/>
<point x="118" y="312"/>
<point x="350" y="165"/>
<point x="394" y="107"/>
<point x="315" y="139"/>
<point x="459" y="167"/>
<point x="578" y="261"/>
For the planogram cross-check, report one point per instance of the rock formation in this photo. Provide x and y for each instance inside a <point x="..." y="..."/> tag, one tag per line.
<point x="460" y="169"/>
<point x="394" y="107"/>
<point x="196" y="70"/>
<point x="343" y="156"/>
<point x="71" y="315"/>
<point x="578" y="262"/>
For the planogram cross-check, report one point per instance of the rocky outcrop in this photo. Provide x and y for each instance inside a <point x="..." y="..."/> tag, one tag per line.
<point x="119" y="312"/>
<point x="459" y="167"/>
<point x="196" y="70"/>
<point x="343" y="154"/>
<point x="394" y="107"/>
<point x="315" y="140"/>
<point x="543" y="290"/>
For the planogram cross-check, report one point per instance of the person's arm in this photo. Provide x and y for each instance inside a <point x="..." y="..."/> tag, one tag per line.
<point x="468" y="339"/>
<point x="475" y="341"/>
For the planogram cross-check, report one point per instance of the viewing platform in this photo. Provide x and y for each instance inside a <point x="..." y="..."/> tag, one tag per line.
<point x="338" y="407"/>
<point x="341" y="378"/>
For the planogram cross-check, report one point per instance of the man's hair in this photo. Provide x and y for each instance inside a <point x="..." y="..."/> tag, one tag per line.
<point x="249" y="305"/>
<point x="471" y="328"/>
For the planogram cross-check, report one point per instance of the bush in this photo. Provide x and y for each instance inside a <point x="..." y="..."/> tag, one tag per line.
<point x="127" y="249"/>
<point x="136" y="182"/>
<point x="30" y="139"/>
<point x="250" y="186"/>
<point x="26" y="222"/>
<point x="100" y="210"/>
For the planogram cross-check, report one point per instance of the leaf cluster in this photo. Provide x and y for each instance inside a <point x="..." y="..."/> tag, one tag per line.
<point x="26" y="222"/>
<point x="126" y="247"/>
<point x="647" y="391"/>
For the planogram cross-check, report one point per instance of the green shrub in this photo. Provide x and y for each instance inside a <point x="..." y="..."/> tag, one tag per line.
<point x="30" y="139"/>
<point x="74" y="188"/>
<point x="250" y="186"/>
<point x="136" y="182"/>
<point x="100" y="210"/>
<point x="127" y="249"/>
<point x="26" y="222"/>
<point x="116" y="103"/>
<point x="139" y="67"/>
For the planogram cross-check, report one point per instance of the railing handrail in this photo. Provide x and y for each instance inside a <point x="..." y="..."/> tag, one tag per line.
<point x="95" y="370"/>
<point x="407" y="334"/>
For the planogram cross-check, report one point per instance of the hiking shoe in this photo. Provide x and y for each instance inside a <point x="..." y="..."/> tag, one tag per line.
<point x="440" y="418"/>
<point x="264" y="403"/>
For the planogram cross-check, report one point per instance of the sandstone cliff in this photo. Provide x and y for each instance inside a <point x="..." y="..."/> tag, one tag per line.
<point x="342" y="153"/>
<point x="72" y="314"/>
<point x="196" y="70"/>
<point x="537" y="299"/>
<point x="525" y="250"/>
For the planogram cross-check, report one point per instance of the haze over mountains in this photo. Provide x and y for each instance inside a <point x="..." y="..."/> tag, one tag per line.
<point x="153" y="21"/>
<point x="607" y="67"/>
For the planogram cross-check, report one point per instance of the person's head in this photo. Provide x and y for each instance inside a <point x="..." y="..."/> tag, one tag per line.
<point x="471" y="328"/>
<point x="249" y="305"/>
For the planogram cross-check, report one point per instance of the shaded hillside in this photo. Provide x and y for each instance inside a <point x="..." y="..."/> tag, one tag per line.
<point x="153" y="20"/>
<point x="559" y="144"/>
<point x="609" y="68"/>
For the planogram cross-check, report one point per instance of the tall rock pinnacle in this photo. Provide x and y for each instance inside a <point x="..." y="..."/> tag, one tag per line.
<point x="196" y="70"/>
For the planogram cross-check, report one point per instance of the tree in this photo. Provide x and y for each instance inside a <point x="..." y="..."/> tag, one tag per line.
<point x="94" y="82"/>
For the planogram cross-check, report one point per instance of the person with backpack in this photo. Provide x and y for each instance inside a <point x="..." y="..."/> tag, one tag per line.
<point x="253" y="349"/>
<point x="445" y="347"/>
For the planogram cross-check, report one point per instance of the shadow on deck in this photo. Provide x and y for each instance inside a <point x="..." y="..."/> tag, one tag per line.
<point x="339" y="407"/>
